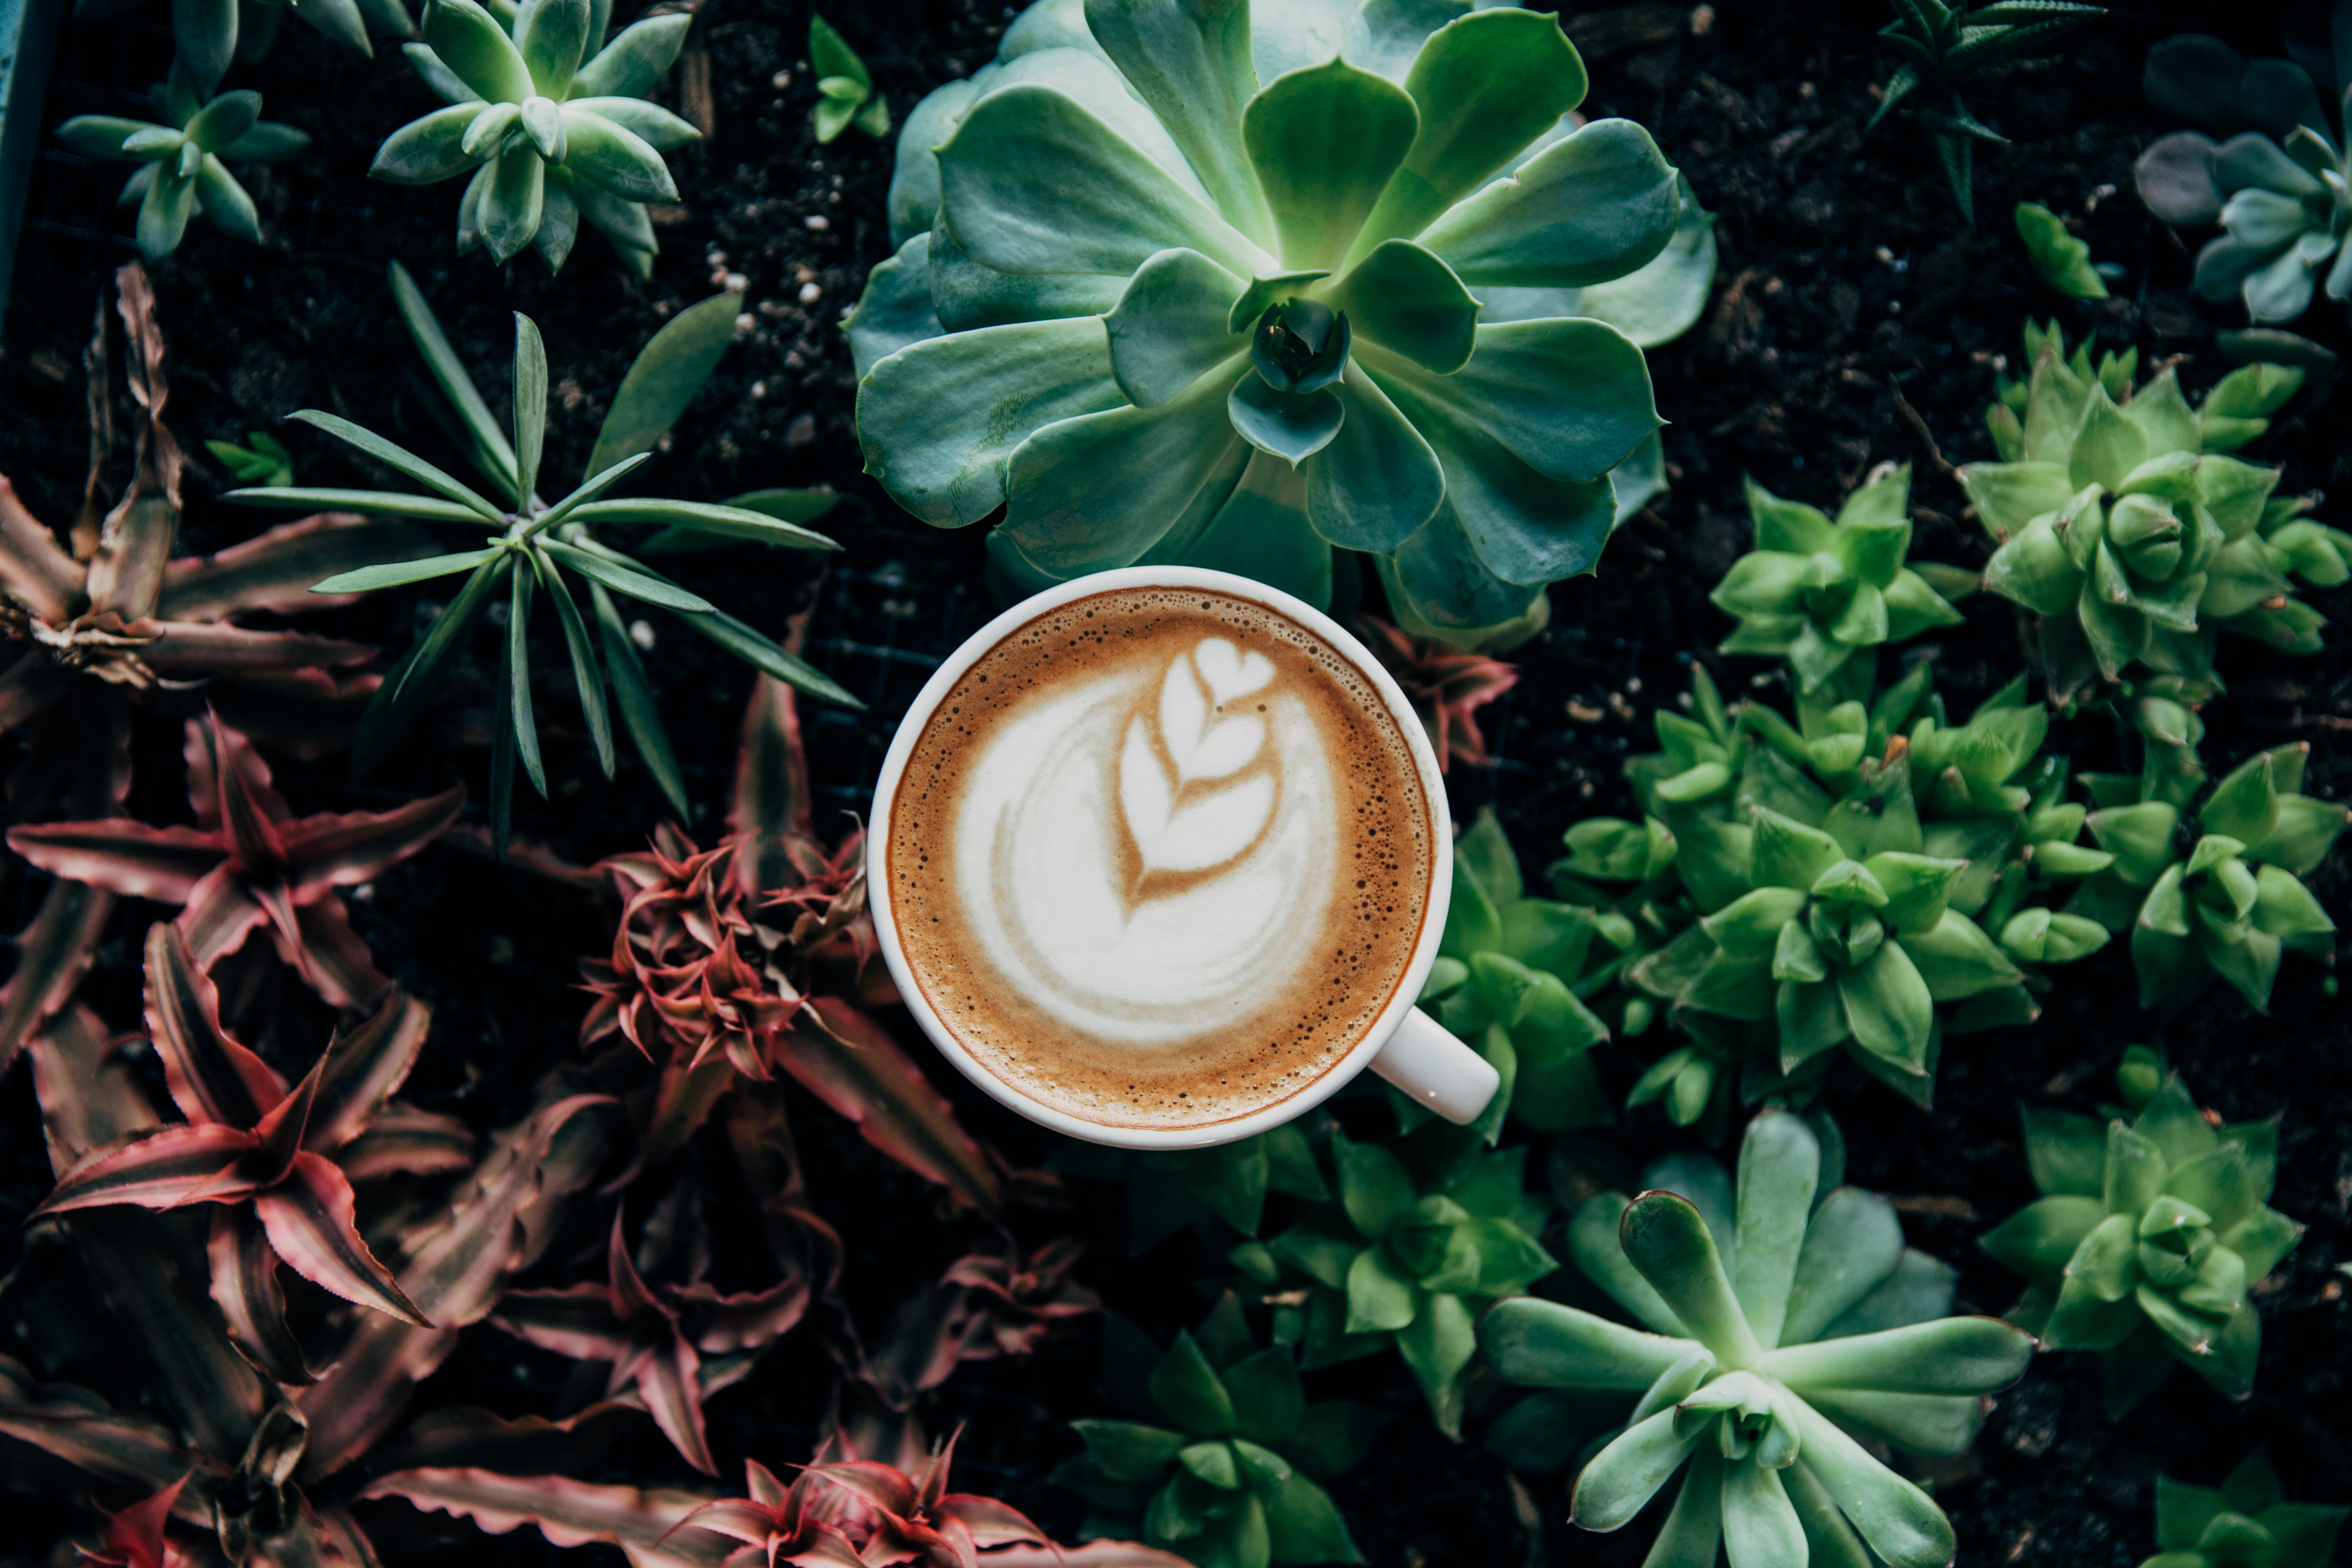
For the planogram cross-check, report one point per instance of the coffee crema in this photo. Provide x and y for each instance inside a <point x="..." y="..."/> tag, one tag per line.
<point x="1159" y="858"/>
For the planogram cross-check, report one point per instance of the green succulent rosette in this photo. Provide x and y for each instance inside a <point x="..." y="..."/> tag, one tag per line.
<point x="1813" y="590"/>
<point x="2149" y="1234"/>
<point x="2115" y="521"/>
<point x="183" y="164"/>
<point x="1240" y="286"/>
<point x="2246" y="1523"/>
<point x="2220" y="893"/>
<point x="1782" y="1324"/>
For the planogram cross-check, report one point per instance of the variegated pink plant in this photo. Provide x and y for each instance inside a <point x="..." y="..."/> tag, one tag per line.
<point x="249" y="862"/>
<point x="259" y="1151"/>
<point x="135" y="1538"/>
<point x="656" y="1336"/>
<point x="1446" y="686"/>
<point x="996" y="1301"/>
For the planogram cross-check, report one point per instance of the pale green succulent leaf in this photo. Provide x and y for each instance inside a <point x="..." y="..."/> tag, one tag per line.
<point x="1324" y="142"/>
<point x="1067" y="524"/>
<point x="1168" y="327"/>
<point x="1190" y="61"/>
<point x="469" y="41"/>
<point x="431" y="148"/>
<point x="635" y="58"/>
<point x="1595" y="205"/>
<point x="1378" y="482"/>
<point x="1404" y="298"/>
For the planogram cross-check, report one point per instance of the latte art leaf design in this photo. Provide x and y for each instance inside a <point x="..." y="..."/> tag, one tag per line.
<point x="1177" y="824"/>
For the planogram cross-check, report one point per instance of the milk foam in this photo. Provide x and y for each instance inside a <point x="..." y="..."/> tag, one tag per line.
<point x="1144" y="865"/>
<point x="1160" y="858"/>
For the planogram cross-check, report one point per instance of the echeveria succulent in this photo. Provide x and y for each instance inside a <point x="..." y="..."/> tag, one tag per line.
<point x="2063" y="261"/>
<point x="208" y="34"/>
<point x="531" y="547"/>
<point x="1238" y="287"/>
<point x="2146" y="1238"/>
<point x="1223" y="1464"/>
<point x="1783" y="1328"/>
<point x="1942" y="45"/>
<point x="2246" y="1523"/>
<point x="1812" y="591"/>
<point x="1412" y="1253"/>
<point x="552" y="121"/>
<point x="2116" y="522"/>
<point x="183" y="163"/>
<point x="2227" y="900"/>
<point x="2277" y="185"/>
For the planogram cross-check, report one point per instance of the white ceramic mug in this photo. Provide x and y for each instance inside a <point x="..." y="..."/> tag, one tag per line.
<point x="1405" y="1046"/>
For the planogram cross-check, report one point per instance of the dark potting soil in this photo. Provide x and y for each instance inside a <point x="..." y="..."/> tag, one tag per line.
<point x="1855" y="319"/>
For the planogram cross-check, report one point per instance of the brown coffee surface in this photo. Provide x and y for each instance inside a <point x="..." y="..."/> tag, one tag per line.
<point x="1159" y="858"/>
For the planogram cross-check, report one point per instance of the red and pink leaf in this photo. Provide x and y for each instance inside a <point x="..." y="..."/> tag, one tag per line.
<point x="125" y="857"/>
<point x="722" y="1324"/>
<point x="134" y="1538"/>
<point x="90" y="1093"/>
<point x="35" y="569"/>
<point x="667" y="1382"/>
<point x="221" y="913"/>
<point x="343" y="850"/>
<point x="274" y="571"/>
<point x="364" y="1067"/>
<point x="737" y="1519"/>
<point x="330" y="957"/>
<point x="245" y="1286"/>
<point x="461" y="1435"/>
<point x="53" y="953"/>
<point x="308" y="1215"/>
<point x="211" y="1075"/>
<point x="172" y="1166"/>
<point x="771" y="803"/>
<point x="848" y="1061"/>
<point x="567" y="1512"/>
<point x="991" y="1522"/>
<point x="186" y="650"/>
<point x="576" y="1320"/>
<point x="407" y="1138"/>
<point x="125" y="1447"/>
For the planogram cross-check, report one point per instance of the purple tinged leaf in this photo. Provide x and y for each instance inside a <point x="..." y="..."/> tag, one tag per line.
<point x="29" y="686"/>
<point x="53" y="953"/>
<point x="127" y="1447"/>
<point x="245" y="1286"/>
<point x="125" y="857"/>
<point x="667" y="1381"/>
<point x="771" y="803"/>
<point x="213" y="1078"/>
<point x="186" y="649"/>
<point x="135" y="541"/>
<point x="723" y="1324"/>
<point x="567" y="1512"/>
<point x="274" y="571"/>
<point x="341" y="851"/>
<point x="34" y="570"/>
<point x="89" y="1095"/>
<point x="405" y="1138"/>
<point x="364" y="1067"/>
<point x="576" y="1320"/>
<point x="462" y="1435"/>
<point x="164" y="1170"/>
<point x="220" y="913"/>
<point x="309" y="1216"/>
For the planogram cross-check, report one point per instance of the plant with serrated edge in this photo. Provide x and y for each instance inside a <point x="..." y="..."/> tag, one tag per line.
<point x="673" y="1342"/>
<point x="2059" y="258"/>
<point x="1202" y="292"/>
<point x="1942" y="45"/>
<point x="259" y="1151"/>
<point x="552" y="121"/>
<point x="2247" y="1523"/>
<point x="209" y="34"/>
<point x="2122" y="526"/>
<point x="844" y="84"/>
<point x="249" y="863"/>
<point x="1224" y="1468"/>
<point x="1823" y="913"/>
<point x="2277" y="185"/>
<point x="531" y="546"/>
<point x="1446" y="685"/>
<point x="2222" y="895"/>
<point x="263" y="459"/>
<point x="727" y="967"/>
<point x="2234" y="412"/>
<point x="1771" y="1348"/>
<point x="1813" y="590"/>
<point x="2148" y="1237"/>
<point x="183" y="164"/>
<point x="1412" y="1253"/>
<point x="993" y="1302"/>
<point x="135" y="1538"/>
<point x="1510" y="979"/>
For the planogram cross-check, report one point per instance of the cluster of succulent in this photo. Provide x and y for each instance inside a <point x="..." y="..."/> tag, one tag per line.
<point x="1222" y="1457"/>
<point x="1780" y="1332"/>
<point x="2151" y="1228"/>
<point x="1941" y="44"/>
<point x="2277" y="182"/>
<point x="2245" y="1520"/>
<point x="2121" y="520"/>
<point x="1174" y="288"/>
<point x="183" y="161"/>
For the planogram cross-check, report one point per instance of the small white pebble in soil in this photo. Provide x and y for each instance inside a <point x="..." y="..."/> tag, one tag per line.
<point x="801" y="431"/>
<point x="818" y="221"/>
<point x="744" y="324"/>
<point x="641" y="632"/>
<point x="1683" y="699"/>
<point x="502" y="950"/>
<point x="736" y="282"/>
<point x="364" y="893"/>
<point x="759" y="389"/>
<point x="811" y="293"/>
<point x="1633" y="684"/>
<point x="782" y="79"/>
<point x="1702" y="21"/>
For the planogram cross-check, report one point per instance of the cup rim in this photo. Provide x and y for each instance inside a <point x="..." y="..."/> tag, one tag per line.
<point x="1433" y="910"/>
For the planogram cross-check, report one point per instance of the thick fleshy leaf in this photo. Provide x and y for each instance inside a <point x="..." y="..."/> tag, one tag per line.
<point x="1952" y="1355"/>
<point x="1665" y="1237"/>
<point x="1853" y="1245"/>
<point x="430" y="149"/>
<point x="512" y="202"/>
<point x="1569" y="398"/>
<point x="635" y="58"/>
<point x="614" y="158"/>
<point x="1190" y="61"/>
<point x="1068" y="519"/>
<point x="1487" y="84"/>
<point x="1324" y="142"/>
<point x="1404" y="298"/>
<point x="470" y="43"/>
<point x="1290" y="425"/>
<point x="1168" y="327"/>
<point x="1595" y="205"/>
<point x="1029" y="149"/>
<point x="553" y="37"/>
<point x="1622" y="1478"/>
<point x="938" y="419"/>
<point x="1779" y="1163"/>
<point x="1901" y="1523"/>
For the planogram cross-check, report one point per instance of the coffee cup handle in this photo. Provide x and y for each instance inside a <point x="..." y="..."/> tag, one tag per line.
<point x="1424" y="1060"/>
